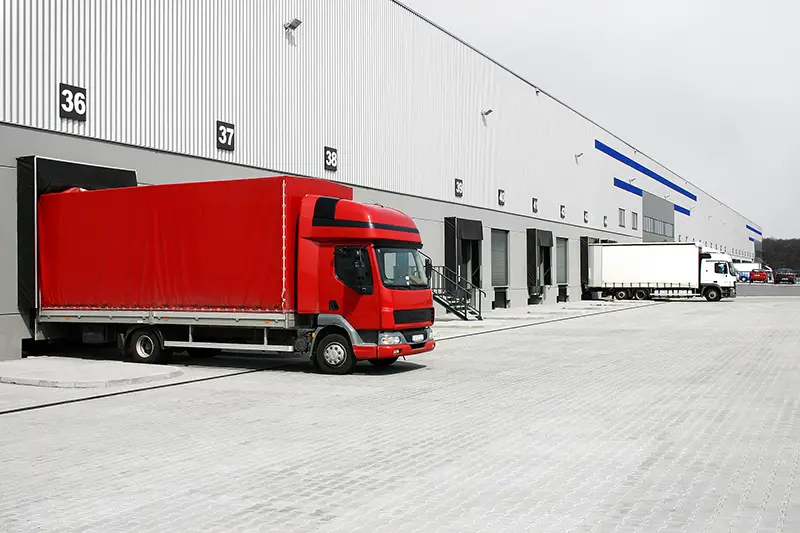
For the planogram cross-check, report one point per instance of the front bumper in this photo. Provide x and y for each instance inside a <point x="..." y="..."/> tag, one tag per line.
<point x="389" y="351"/>
<point x="729" y="292"/>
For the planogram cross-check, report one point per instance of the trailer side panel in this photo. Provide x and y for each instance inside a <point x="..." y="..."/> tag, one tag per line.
<point x="224" y="245"/>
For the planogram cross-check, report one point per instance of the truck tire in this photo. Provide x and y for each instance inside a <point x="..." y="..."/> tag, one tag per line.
<point x="641" y="294"/>
<point x="335" y="355"/>
<point x="620" y="294"/>
<point x="384" y="362"/>
<point x="713" y="294"/>
<point x="144" y="346"/>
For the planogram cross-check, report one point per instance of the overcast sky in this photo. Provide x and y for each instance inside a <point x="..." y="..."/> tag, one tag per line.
<point x="709" y="88"/>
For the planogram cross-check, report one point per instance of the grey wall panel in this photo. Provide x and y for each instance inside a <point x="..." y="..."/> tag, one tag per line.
<point x="12" y="331"/>
<point x="151" y="167"/>
<point x="658" y="208"/>
<point x="8" y="240"/>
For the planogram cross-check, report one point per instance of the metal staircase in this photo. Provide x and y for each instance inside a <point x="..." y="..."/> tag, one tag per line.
<point x="456" y="294"/>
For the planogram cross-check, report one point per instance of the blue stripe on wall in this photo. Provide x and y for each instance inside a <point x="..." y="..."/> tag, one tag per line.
<point x="683" y="210"/>
<point x="754" y="230"/>
<point x="644" y="170"/>
<point x="624" y="185"/>
<point x="752" y="239"/>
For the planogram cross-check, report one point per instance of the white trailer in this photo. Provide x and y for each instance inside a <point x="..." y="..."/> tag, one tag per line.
<point x="641" y="271"/>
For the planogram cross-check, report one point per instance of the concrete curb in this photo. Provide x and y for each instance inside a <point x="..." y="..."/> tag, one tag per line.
<point x="98" y="384"/>
<point x="551" y="321"/>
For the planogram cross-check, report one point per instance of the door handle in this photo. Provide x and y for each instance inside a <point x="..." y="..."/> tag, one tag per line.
<point x="333" y="305"/>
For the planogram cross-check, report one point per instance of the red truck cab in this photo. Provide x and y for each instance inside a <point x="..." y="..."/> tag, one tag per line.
<point x="360" y="271"/>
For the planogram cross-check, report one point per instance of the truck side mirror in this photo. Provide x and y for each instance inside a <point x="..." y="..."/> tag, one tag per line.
<point x="428" y="268"/>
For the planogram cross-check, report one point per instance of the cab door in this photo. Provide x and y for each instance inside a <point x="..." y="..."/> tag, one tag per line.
<point x="353" y="292"/>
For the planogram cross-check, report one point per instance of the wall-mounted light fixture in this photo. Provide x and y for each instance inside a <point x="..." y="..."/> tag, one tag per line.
<point x="537" y="90"/>
<point x="487" y="112"/>
<point x="631" y="180"/>
<point x="577" y="156"/>
<point x="666" y="197"/>
<point x="292" y="24"/>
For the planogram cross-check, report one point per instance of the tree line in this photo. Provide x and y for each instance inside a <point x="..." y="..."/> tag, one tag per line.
<point x="782" y="253"/>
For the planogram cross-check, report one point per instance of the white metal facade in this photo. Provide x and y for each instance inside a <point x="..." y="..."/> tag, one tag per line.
<point x="399" y="98"/>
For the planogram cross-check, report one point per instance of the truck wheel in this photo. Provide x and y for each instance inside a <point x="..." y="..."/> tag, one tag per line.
<point x="641" y="294"/>
<point x="713" y="294"/>
<point x="144" y="346"/>
<point x="620" y="294"/>
<point x="384" y="362"/>
<point x="334" y="355"/>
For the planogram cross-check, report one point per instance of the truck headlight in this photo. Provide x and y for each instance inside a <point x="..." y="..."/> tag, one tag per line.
<point x="390" y="339"/>
<point x="431" y="334"/>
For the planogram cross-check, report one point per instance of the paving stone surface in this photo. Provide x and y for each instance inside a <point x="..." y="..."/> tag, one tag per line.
<point x="675" y="417"/>
<point x="72" y="373"/>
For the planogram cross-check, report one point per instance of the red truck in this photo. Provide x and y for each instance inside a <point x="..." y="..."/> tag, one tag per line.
<point x="279" y="264"/>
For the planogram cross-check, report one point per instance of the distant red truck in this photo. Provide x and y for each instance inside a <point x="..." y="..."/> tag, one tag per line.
<point x="758" y="275"/>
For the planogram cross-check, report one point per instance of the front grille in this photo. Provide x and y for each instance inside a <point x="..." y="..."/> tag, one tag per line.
<point x="411" y="316"/>
<point x="409" y="334"/>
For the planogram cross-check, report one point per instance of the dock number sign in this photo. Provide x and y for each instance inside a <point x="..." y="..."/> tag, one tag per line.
<point x="71" y="102"/>
<point x="225" y="136"/>
<point x="331" y="159"/>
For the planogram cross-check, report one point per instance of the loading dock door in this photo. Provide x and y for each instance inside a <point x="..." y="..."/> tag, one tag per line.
<point x="539" y="255"/>
<point x="585" y="242"/>
<point x="462" y="248"/>
<point x="37" y="176"/>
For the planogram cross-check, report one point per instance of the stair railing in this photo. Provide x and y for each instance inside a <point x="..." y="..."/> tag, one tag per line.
<point x="455" y="292"/>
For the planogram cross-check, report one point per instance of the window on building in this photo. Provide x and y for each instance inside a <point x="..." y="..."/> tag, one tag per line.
<point x="561" y="262"/>
<point x="621" y="218"/>
<point x="634" y="220"/>
<point x="499" y="258"/>
<point x="348" y="260"/>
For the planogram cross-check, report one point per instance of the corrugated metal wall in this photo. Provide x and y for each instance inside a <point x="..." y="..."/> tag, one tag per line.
<point x="399" y="99"/>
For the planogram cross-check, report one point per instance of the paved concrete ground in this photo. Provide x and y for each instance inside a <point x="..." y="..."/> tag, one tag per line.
<point x="674" y="417"/>
<point x="450" y="326"/>
<point x="72" y="373"/>
<point x="768" y="289"/>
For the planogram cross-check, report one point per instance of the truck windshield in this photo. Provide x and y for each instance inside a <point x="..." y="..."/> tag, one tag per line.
<point x="402" y="268"/>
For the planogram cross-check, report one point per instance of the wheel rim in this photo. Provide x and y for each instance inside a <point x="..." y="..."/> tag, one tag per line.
<point x="335" y="354"/>
<point x="621" y="295"/>
<point x="640" y="295"/>
<point x="145" y="347"/>
<point x="712" y="294"/>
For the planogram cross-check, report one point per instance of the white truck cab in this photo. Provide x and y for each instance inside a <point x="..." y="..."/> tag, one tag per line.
<point x="717" y="270"/>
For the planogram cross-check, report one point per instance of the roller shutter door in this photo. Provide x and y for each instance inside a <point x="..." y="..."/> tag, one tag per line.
<point x="499" y="258"/>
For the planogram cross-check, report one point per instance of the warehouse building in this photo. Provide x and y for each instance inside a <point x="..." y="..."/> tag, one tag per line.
<point x="507" y="184"/>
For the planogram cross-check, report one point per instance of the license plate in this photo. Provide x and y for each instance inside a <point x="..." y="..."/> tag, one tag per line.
<point x="419" y="337"/>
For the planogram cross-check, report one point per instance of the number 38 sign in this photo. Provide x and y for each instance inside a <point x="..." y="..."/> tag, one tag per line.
<point x="331" y="159"/>
<point x="71" y="102"/>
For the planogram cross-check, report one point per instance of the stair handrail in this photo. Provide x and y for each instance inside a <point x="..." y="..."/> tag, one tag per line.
<point x="462" y="288"/>
<point x="458" y="277"/>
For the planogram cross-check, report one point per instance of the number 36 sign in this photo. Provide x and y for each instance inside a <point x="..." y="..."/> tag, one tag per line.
<point x="71" y="102"/>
